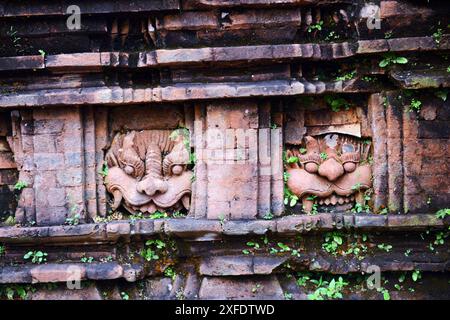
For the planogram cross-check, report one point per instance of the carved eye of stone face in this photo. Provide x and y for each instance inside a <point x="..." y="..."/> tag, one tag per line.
<point x="311" y="167"/>
<point x="349" y="166"/>
<point x="129" y="170"/>
<point x="177" y="169"/>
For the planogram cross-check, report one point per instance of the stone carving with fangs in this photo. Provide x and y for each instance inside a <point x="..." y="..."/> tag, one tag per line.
<point x="147" y="170"/>
<point x="333" y="170"/>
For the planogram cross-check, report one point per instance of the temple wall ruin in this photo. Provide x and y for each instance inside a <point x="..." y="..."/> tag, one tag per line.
<point x="205" y="149"/>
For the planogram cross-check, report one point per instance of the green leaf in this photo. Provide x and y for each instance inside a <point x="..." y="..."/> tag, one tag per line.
<point x="401" y="60"/>
<point x="386" y="295"/>
<point x="292" y="160"/>
<point x="293" y="201"/>
<point x="383" y="63"/>
<point x="337" y="239"/>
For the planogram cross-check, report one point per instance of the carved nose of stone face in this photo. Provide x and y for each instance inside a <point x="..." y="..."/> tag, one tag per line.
<point x="150" y="186"/>
<point x="331" y="169"/>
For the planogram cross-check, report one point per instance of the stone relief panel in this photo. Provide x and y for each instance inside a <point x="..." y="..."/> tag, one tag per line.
<point x="148" y="170"/>
<point x="328" y="157"/>
<point x="332" y="169"/>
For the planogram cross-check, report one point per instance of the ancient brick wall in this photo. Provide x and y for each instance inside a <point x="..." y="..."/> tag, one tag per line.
<point x="224" y="149"/>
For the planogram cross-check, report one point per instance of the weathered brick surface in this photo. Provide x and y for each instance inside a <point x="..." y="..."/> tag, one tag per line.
<point x="240" y="288"/>
<point x="247" y="79"/>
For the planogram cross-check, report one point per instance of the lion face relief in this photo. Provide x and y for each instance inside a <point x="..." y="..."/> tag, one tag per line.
<point x="147" y="170"/>
<point x="332" y="169"/>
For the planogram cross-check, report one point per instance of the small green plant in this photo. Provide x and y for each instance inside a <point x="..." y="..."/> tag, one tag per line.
<point x="415" y="105"/>
<point x="346" y="76"/>
<point x="448" y="69"/>
<point x="42" y="52"/>
<point x="104" y="171"/>
<point x="316" y="26"/>
<point x="289" y="198"/>
<point x="332" y="35"/>
<point x="16" y="40"/>
<point x="170" y="273"/>
<point x="222" y="219"/>
<point x="358" y="208"/>
<point x="386" y="295"/>
<point x="254" y="245"/>
<point x="180" y="295"/>
<point x="73" y="221"/>
<point x="333" y="240"/>
<point x="302" y="150"/>
<point x="106" y="259"/>
<point x="323" y="156"/>
<point x="442" y="213"/>
<point x="178" y="214"/>
<point x="152" y="248"/>
<point x="302" y="279"/>
<point x="390" y="59"/>
<point x="437" y="36"/>
<point x="328" y="290"/>
<point x="124" y="295"/>
<point x="440" y="238"/>
<point x="288" y="296"/>
<point x="268" y="216"/>
<point x="416" y="275"/>
<point x="15" y="291"/>
<point x="20" y="185"/>
<point x="87" y="259"/>
<point x="357" y="248"/>
<point x="37" y="257"/>
<point x="283" y="247"/>
<point x="256" y="288"/>
<point x="388" y="34"/>
<point x="315" y="206"/>
<point x="292" y="160"/>
<point x="368" y="79"/>
<point x="384" y="247"/>
<point x="158" y="215"/>
<point x="2" y="250"/>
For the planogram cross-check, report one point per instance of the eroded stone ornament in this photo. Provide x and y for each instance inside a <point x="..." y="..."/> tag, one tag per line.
<point x="147" y="170"/>
<point x="333" y="170"/>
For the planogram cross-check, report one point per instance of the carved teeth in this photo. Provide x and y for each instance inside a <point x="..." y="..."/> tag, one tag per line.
<point x="333" y="199"/>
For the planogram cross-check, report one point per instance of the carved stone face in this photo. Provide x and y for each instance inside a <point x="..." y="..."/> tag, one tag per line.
<point x="147" y="170"/>
<point x="331" y="169"/>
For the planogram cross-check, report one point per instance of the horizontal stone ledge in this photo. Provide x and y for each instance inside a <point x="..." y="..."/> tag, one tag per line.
<point x="59" y="7"/>
<point x="419" y="79"/>
<point x="208" y="230"/>
<point x="93" y="61"/>
<point x="63" y="272"/>
<point x="238" y="265"/>
<point x="219" y="265"/>
<point x="114" y="96"/>
<point x="195" y="4"/>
